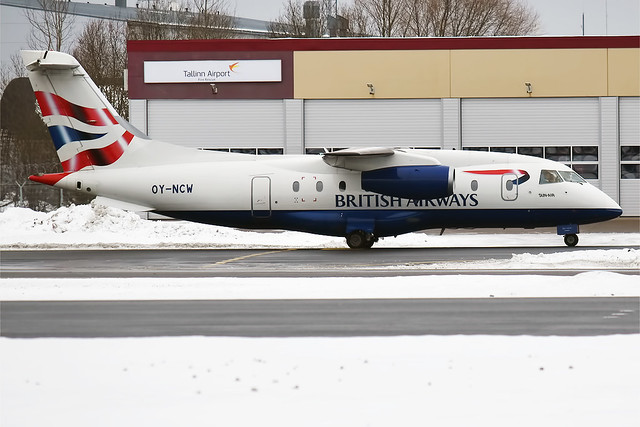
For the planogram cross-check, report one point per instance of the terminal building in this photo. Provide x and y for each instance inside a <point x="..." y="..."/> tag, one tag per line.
<point x="571" y="99"/>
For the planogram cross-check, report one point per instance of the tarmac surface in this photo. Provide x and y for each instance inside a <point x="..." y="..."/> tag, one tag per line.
<point x="180" y="263"/>
<point x="322" y="318"/>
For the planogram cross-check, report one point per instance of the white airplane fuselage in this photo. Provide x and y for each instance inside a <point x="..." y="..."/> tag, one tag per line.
<point x="361" y="193"/>
<point x="258" y="192"/>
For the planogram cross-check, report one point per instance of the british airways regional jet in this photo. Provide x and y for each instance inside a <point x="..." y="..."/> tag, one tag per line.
<point x="361" y="194"/>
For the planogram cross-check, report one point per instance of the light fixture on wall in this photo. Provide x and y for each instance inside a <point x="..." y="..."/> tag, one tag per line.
<point x="214" y="89"/>
<point x="528" y="85"/>
<point x="372" y="90"/>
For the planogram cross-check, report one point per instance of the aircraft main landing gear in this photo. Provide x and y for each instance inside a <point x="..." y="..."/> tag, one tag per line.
<point x="359" y="239"/>
<point x="571" y="240"/>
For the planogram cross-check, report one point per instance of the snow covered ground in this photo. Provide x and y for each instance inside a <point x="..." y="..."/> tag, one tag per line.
<point x="378" y="381"/>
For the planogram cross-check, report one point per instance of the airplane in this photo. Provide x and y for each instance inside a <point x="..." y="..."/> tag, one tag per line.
<point x="362" y="194"/>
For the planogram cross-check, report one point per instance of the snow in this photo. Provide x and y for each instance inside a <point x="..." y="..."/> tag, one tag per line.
<point x="372" y="381"/>
<point x="589" y="284"/>
<point x="394" y="381"/>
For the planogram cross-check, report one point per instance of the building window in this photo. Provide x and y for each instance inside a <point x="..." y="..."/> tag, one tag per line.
<point x="531" y="151"/>
<point x="475" y="148"/>
<point x="558" y="154"/>
<point x="630" y="162"/>
<point x="582" y="159"/>
<point x="315" y="150"/>
<point x="584" y="154"/>
<point x="503" y="150"/>
<point x="587" y="171"/>
<point x="270" y="151"/>
<point x="243" y="150"/>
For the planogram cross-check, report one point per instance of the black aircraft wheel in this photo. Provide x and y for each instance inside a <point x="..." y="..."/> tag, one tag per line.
<point x="360" y="240"/>
<point x="571" y="240"/>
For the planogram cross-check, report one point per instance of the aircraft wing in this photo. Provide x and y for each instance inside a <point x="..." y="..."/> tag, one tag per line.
<point x="370" y="158"/>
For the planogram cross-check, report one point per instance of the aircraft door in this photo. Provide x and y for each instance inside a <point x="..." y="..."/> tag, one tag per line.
<point x="509" y="186"/>
<point x="261" y="197"/>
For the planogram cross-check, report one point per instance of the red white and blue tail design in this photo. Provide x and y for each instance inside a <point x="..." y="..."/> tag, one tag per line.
<point x="85" y="128"/>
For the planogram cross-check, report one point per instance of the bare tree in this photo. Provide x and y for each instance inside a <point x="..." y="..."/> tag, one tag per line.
<point x="416" y="18"/>
<point x="210" y="20"/>
<point x="455" y="18"/>
<point x="103" y="55"/>
<point x="51" y="25"/>
<point x="10" y="70"/>
<point x="195" y="19"/>
<point x="386" y="16"/>
<point x="358" y="23"/>
<point x="421" y="18"/>
<point x="158" y="20"/>
<point x="301" y="19"/>
<point x="25" y="146"/>
<point x="291" y="22"/>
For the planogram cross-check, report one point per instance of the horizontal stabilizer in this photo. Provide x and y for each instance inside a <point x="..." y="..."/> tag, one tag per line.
<point x="48" y="178"/>
<point x="119" y="204"/>
<point x="48" y="60"/>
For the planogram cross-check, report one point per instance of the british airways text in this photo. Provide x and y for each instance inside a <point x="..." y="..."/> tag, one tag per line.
<point x="381" y="201"/>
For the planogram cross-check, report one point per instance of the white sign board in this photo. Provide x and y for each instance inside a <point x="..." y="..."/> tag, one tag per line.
<point x="269" y="70"/>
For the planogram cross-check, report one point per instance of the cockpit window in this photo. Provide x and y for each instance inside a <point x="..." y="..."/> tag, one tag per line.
<point x="571" y="176"/>
<point x="549" y="176"/>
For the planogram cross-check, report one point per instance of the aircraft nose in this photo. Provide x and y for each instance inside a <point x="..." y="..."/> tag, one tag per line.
<point x="610" y="209"/>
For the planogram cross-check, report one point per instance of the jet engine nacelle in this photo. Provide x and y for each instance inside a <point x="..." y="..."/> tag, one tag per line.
<point x="410" y="182"/>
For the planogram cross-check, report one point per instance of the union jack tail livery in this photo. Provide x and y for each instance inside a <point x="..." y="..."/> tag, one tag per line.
<point x="362" y="194"/>
<point x="86" y="131"/>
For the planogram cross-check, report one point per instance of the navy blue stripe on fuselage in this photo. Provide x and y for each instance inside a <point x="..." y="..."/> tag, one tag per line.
<point x="62" y="135"/>
<point x="394" y="222"/>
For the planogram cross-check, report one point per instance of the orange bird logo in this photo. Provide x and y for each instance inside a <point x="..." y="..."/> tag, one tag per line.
<point x="233" y="66"/>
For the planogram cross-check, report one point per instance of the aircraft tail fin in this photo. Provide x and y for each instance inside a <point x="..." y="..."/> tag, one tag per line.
<point x="86" y="130"/>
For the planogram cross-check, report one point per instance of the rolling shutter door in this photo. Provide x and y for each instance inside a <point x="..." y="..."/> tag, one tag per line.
<point x="373" y="122"/>
<point x="630" y="136"/>
<point x="223" y="123"/>
<point x="530" y="122"/>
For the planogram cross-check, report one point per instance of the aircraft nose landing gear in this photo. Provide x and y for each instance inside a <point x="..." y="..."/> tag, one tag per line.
<point x="571" y="240"/>
<point x="570" y="233"/>
<point x="360" y="239"/>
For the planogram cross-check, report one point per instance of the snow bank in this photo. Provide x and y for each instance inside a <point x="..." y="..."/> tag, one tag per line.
<point x="591" y="284"/>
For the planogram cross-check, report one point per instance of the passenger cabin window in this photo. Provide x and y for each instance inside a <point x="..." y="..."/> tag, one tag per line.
<point x="549" y="176"/>
<point x="319" y="186"/>
<point x="296" y="186"/>
<point x="342" y="186"/>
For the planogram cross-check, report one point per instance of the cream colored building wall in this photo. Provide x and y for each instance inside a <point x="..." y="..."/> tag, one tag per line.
<point x="393" y="73"/>
<point x="624" y="72"/>
<point x="466" y="73"/>
<point x="551" y="72"/>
